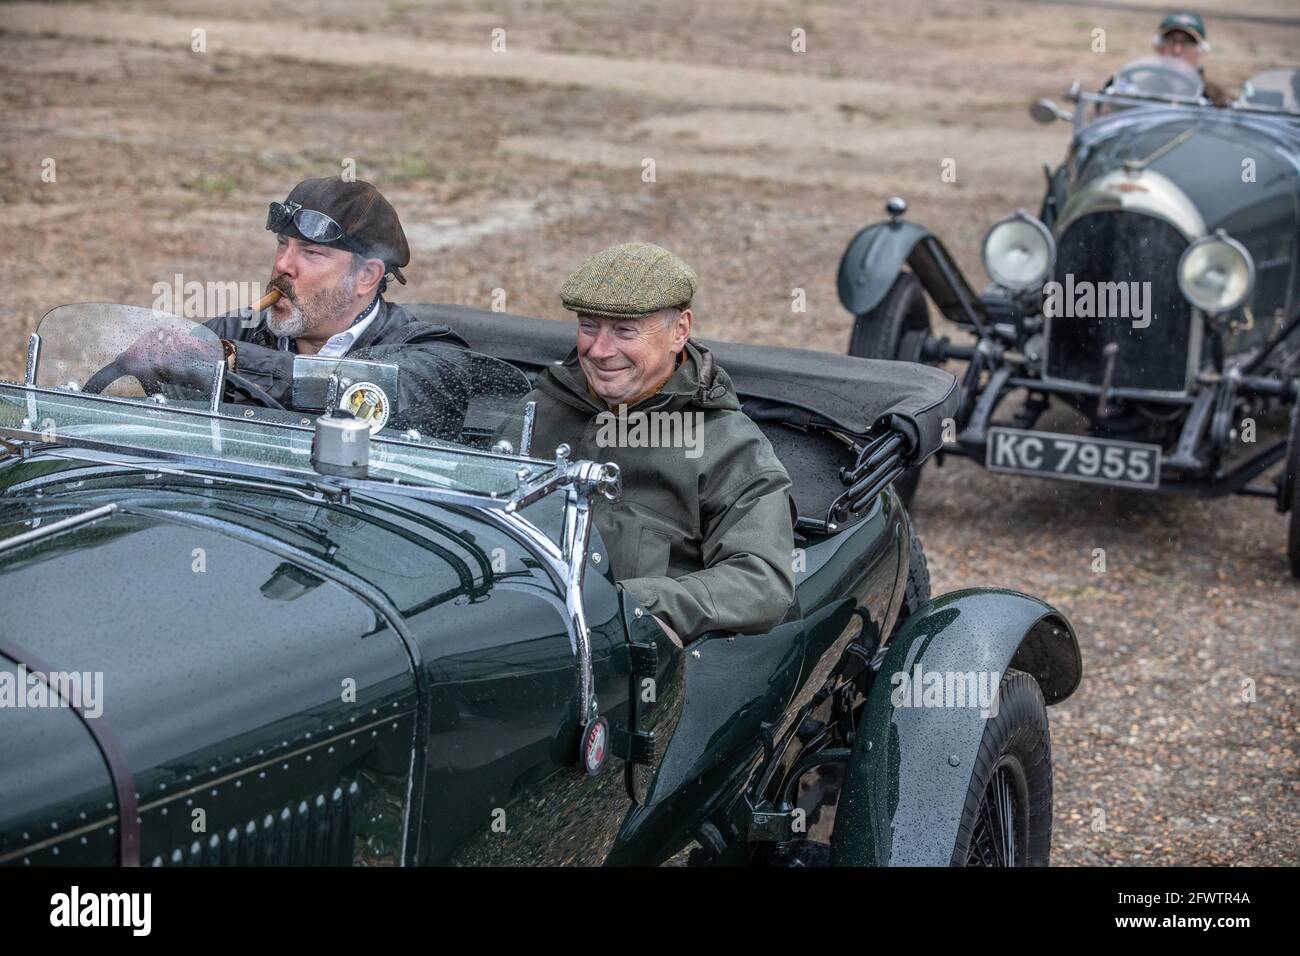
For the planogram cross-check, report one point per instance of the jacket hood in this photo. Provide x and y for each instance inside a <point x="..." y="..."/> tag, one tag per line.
<point x="698" y="382"/>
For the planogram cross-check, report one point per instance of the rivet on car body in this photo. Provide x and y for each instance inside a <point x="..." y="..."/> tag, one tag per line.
<point x="638" y="612"/>
<point x="953" y="760"/>
<point x="595" y="557"/>
<point x="248" y="413"/>
<point x="695" y="654"/>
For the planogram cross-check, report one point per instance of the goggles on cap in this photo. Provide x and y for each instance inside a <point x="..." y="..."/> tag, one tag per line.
<point x="311" y="225"/>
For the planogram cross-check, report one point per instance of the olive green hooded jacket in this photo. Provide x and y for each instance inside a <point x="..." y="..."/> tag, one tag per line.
<point x="702" y="534"/>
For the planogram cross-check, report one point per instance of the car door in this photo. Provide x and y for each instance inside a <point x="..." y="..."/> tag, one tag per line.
<point x="505" y="784"/>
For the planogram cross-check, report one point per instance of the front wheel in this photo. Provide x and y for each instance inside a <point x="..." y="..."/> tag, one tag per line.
<point x="1007" y="818"/>
<point x="1290" y="493"/>
<point x="917" y="590"/>
<point x="895" y="330"/>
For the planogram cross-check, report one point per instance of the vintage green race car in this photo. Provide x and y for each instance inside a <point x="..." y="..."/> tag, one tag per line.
<point x="1156" y="297"/>
<point x="367" y="631"/>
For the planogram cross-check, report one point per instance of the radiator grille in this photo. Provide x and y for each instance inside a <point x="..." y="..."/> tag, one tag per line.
<point x="1113" y="247"/>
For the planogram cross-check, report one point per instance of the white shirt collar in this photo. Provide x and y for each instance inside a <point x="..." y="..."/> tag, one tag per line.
<point x="338" y="345"/>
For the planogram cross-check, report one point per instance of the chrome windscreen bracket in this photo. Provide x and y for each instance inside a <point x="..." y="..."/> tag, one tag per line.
<point x="218" y="387"/>
<point x="526" y="439"/>
<point x="577" y="535"/>
<point x="33" y="358"/>
<point x="588" y="477"/>
<point x="582" y="480"/>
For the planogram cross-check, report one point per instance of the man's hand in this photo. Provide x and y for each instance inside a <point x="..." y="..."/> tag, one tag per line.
<point x="167" y="355"/>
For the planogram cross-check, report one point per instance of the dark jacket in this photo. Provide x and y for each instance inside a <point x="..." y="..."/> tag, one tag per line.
<point x="704" y="541"/>
<point x="433" y="379"/>
<point x="1215" y="93"/>
<point x="259" y="360"/>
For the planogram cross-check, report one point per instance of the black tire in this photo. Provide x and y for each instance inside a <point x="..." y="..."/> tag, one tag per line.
<point x="1291" y="493"/>
<point x="917" y="591"/>
<point x="905" y="486"/>
<point x="1007" y="819"/>
<point x="880" y="334"/>
<point x="1293" y="532"/>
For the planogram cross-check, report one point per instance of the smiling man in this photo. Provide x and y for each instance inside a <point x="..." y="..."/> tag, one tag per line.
<point x="337" y="242"/>
<point x="702" y="535"/>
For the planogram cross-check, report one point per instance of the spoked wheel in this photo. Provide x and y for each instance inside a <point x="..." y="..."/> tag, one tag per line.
<point x="1289" y="493"/>
<point x="895" y="329"/>
<point x="1007" y="818"/>
<point x="1001" y="834"/>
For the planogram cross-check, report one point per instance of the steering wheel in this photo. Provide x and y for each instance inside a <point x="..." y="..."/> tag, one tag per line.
<point x="105" y="377"/>
<point x="114" y="370"/>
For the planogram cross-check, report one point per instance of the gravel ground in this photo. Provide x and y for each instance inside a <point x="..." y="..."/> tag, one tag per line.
<point x="509" y="168"/>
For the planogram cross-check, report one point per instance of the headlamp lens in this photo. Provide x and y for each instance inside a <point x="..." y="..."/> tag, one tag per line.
<point x="1019" y="252"/>
<point x="1216" y="274"/>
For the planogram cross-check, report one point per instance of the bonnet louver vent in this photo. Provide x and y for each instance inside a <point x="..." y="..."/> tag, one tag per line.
<point x="319" y="830"/>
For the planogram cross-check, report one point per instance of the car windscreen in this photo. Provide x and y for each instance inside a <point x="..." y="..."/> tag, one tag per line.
<point x="1157" y="77"/>
<point x="1277" y="90"/>
<point x="142" y="380"/>
<point x="440" y="392"/>
<point x="103" y="347"/>
<point x="195" y="439"/>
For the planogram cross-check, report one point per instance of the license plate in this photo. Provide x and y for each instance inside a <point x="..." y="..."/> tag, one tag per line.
<point x="1104" y="461"/>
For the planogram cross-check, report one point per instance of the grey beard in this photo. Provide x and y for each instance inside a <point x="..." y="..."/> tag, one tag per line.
<point x="322" y="311"/>
<point x="291" y="326"/>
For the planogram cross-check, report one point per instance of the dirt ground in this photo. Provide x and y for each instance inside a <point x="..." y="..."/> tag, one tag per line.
<point x="509" y="167"/>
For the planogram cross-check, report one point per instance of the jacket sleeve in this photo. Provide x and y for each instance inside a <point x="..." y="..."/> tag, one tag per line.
<point x="269" y="369"/>
<point x="747" y="584"/>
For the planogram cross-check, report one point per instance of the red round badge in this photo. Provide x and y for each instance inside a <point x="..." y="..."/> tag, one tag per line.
<point x="595" y="745"/>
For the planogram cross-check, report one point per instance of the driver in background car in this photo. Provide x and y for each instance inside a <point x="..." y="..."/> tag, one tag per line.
<point x="1181" y="35"/>
<point x="337" y="243"/>
<point x="702" y="535"/>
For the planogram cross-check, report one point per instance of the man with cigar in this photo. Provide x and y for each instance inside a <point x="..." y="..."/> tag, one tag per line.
<point x="702" y="535"/>
<point x="337" y="242"/>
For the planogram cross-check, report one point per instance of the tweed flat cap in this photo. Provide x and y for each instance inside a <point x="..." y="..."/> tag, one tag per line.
<point x="630" y="280"/>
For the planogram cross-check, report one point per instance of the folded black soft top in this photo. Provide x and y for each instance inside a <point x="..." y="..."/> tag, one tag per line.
<point x="818" y="388"/>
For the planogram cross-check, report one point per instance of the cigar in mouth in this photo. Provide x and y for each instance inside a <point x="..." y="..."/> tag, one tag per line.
<point x="268" y="300"/>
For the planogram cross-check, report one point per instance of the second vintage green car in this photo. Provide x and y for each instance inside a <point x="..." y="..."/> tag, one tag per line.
<point x="247" y="635"/>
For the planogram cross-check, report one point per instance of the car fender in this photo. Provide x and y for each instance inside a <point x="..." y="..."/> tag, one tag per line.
<point x="875" y="256"/>
<point x="872" y="260"/>
<point x="906" y="780"/>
